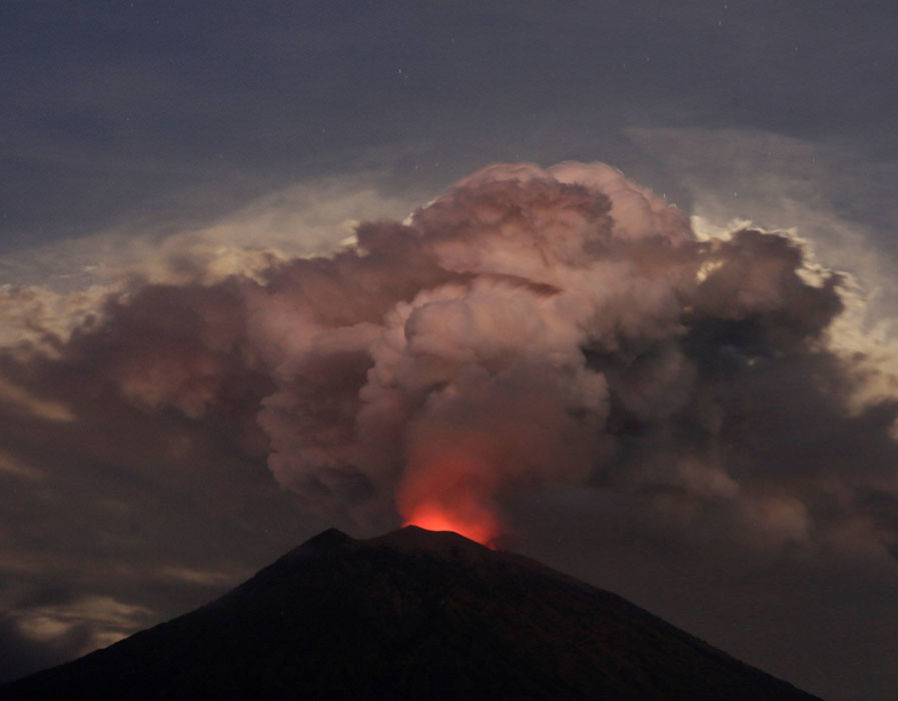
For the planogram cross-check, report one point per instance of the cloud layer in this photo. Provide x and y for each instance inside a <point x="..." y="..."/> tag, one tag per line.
<point x="528" y="328"/>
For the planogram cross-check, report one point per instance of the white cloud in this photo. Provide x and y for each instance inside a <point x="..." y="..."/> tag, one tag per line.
<point x="53" y="288"/>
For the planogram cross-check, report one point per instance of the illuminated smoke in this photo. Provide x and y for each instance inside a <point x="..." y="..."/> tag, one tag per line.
<point x="530" y="328"/>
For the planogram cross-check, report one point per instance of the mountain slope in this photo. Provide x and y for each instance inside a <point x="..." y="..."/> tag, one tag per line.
<point x="410" y="615"/>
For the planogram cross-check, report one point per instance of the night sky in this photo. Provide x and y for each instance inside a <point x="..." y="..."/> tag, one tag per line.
<point x="221" y="331"/>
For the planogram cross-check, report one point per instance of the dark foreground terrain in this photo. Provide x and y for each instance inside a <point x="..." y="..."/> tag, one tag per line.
<point x="410" y="615"/>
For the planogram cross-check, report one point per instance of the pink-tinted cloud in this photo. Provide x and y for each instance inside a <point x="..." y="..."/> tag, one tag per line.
<point x="528" y="328"/>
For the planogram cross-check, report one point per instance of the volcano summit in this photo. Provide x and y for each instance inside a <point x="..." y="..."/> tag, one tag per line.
<point x="414" y="614"/>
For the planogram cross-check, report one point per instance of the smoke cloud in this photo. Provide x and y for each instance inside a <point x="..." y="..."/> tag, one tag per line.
<point x="530" y="330"/>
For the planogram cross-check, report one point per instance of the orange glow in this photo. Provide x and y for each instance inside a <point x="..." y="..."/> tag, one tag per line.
<point x="480" y="527"/>
<point x="451" y="488"/>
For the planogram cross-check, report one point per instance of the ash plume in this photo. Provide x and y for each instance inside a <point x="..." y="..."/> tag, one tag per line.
<point x="531" y="328"/>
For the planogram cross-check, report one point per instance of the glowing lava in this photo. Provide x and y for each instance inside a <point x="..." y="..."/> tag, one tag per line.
<point x="451" y="488"/>
<point x="480" y="527"/>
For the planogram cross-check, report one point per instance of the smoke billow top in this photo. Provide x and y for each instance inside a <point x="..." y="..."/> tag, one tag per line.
<point x="529" y="329"/>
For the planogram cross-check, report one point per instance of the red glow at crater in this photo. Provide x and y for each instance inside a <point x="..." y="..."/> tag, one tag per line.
<point x="451" y="493"/>
<point x="481" y="528"/>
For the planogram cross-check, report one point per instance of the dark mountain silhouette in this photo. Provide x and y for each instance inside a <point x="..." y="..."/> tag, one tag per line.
<point x="411" y="615"/>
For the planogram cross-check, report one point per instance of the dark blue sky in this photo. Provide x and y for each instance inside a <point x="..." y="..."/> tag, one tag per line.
<point x="185" y="109"/>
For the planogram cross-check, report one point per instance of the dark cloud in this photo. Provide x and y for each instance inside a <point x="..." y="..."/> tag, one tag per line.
<point x="20" y="655"/>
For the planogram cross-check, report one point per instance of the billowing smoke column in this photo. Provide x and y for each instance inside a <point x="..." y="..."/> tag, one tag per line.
<point x="478" y="379"/>
<point x="528" y="328"/>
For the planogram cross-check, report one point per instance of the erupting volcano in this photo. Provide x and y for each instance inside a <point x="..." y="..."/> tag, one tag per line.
<point x="535" y="351"/>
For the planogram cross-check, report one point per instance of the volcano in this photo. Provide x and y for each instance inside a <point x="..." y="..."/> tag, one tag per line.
<point x="413" y="614"/>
